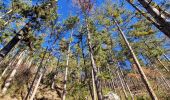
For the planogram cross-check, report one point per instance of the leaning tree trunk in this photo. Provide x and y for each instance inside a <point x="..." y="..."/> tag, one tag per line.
<point x="86" y="72"/>
<point x="157" y="58"/>
<point x="36" y="75"/>
<point x="37" y="84"/>
<point x="6" y="13"/>
<point x="123" y="87"/>
<point x="163" y="65"/>
<point x="55" y="75"/>
<point x="159" y="16"/>
<point x="11" y="63"/>
<point x="161" y="75"/>
<point x="96" y="79"/>
<point x="140" y="70"/>
<point x="94" y="88"/>
<point x="158" y="21"/>
<point x="9" y="79"/>
<point x="5" y="50"/>
<point x="126" y="84"/>
<point x="66" y="70"/>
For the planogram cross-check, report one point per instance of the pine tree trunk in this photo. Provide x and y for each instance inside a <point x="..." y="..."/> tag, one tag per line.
<point x="9" y="79"/>
<point x="142" y="74"/>
<point x="6" y="13"/>
<point x="37" y="85"/>
<point x="86" y="72"/>
<point x="126" y="83"/>
<point x="123" y="87"/>
<point x="97" y="82"/>
<point x="10" y="64"/>
<point x="94" y="88"/>
<point x="166" y="57"/>
<point x="66" y="70"/>
<point x="36" y="75"/>
<point x="156" y="23"/>
<point x="159" y="16"/>
<point x="162" y="76"/>
<point x="163" y="65"/>
<point x="5" y="50"/>
<point x="55" y="75"/>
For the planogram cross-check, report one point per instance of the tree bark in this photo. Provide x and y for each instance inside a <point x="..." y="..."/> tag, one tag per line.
<point x="6" y="13"/>
<point x="142" y="74"/>
<point x="159" y="16"/>
<point x="94" y="88"/>
<point x="37" y="85"/>
<point x="126" y="84"/>
<point x="123" y="87"/>
<point x="96" y="79"/>
<point x="66" y="70"/>
<point x="160" y="21"/>
<point x="36" y="75"/>
<point x="5" y="50"/>
<point x="163" y="65"/>
<point x="9" y="79"/>
<point x="14" y="59"/>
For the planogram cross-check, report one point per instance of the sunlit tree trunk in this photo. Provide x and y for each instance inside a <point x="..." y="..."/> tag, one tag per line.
<point x="97" y="81"/>
<point x="66" y="69"/>
<point x="126" y="83"/>
<point x="55" y="75"/>
<point x="36" y="75"/>
<point x="123" y="87"/>
<point x="94" y="88"/>
<point x="161" y="75"/>
<point x="11" y="76"/>
<point x="163" y="65"/>
<point x="6" y="13"/>
<point x="7" y="48"/>
<point x="160" y="17"/>
<point x="37" y="84"/>
<point x="86" y="71"/>
<point x="15" y="58"/>
<point x="140" y="70"/>
<point x="158" y="22"/>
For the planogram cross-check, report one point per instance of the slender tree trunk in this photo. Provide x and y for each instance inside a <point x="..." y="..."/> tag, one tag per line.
<point x="86" y="72"/>
<point x="160" y="23"/>
<point x="161" y="75"/>
<point x="166" y="57"/>
<point x="158" y="59"/>
<point x="37" y="85"/>
<point x="94" y="88"/>
<point x="163" y="65"/>
<point x="55" y="75"/>
<point x="6" y="13"/>
<point x="66" y="70"/>
<point x="5" y="50"/>
<point x="126" y="83"/>
<point x="9" y="79"/>
<point x="123" y="87"/>
<point x="97" y="81"/>
<point x="143" y="76"/>
<point x="10" y="64"/>
<point x="36" y="75"/>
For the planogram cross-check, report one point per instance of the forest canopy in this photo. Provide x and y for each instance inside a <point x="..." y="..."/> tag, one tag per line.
<point x="85" y="49"/>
